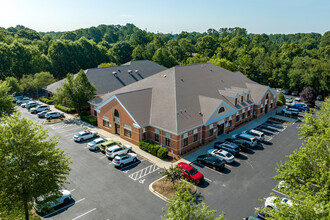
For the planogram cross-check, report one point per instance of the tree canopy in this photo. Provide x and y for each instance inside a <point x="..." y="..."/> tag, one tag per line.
<point x="31" y="165"/>
<point x="6" y="99"/>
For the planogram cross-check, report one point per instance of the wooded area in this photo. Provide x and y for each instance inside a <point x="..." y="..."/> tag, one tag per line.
<point x="289" y="61"/>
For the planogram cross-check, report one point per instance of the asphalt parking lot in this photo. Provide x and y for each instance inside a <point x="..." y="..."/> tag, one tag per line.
<point x="101" y="191"/>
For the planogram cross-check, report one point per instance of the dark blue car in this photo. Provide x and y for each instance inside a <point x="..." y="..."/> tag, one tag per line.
<point x="299" y="106"/>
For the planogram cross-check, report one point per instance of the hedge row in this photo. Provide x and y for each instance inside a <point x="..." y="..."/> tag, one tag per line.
<point x="154" y="149"/>
<point x="65" y="109"/>
<point x="47" y="101"/>
<point x="89" y="119"/>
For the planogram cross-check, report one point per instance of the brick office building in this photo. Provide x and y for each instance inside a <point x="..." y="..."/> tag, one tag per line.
<point x="183" y="107"/>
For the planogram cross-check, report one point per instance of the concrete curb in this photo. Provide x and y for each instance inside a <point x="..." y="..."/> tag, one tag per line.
<point x="151" y="189"/>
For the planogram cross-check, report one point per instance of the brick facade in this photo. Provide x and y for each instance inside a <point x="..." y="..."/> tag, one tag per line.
<point x="182" y="143"/>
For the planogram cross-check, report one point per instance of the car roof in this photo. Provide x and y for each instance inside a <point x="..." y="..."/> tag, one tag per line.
<point x="185" y="166"/>
<point x="114" y="147"/>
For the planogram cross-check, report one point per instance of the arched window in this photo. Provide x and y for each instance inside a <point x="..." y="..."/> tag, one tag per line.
<point x="116" y="113"/>
<point x="267" y="96"/>
<point x="222" y="109"/>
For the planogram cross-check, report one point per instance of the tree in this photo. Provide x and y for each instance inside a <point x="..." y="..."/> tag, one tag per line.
<point x="6" y="100"/>
<point x="28" y="83"/>
<point x="280" y="99"/>
<point x="182" y="206"/>
<point x="163" y="57"/>
<point x="15" y="86"/>
<point x="172" y="174"/>
<point x="43" y="79"/>
<point x="122" y="52"/>
<point x="31" y="165"/>
<point x="306" y="174"/>
<point x="106" y="65"/>
<point x="206" y="46"/>
<point x="138" y="53"/>
<point x="308" y="95"/>
<point x="75" y="92"/>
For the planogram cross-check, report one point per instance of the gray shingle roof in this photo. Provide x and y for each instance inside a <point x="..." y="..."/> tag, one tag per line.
<point x="178" y="95"/>
<point x="104" y="80"/>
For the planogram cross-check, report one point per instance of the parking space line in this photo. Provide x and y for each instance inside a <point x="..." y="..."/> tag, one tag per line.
<point x="45" y="216"/>
<point x="84" y="214"/>
<point x="143" y="172"/>
<point x="279" y="192"/>
<point x="72" y="190"/>
<point x="131" y="165"/>
<point x="103" y="157"/>
<point x="208" y="179"/>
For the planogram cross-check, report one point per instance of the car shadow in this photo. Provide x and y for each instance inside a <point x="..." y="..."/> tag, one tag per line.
<point x="263" y="130"/>
<point x="225" y="170"/>
<point x="258" y="147"/>
<point x="248" y="151"/>
<point x="267" y="143"/>
<point x="87" y="141"/>
<point x="235" y="164"/>
<point x="204" y="184"/>
<point x="242" y="157"/>
<point x="274" y="126"/>
<point x="58" y="209"/>
<point x="264" y="127"/>
<point x="130" y="166"/>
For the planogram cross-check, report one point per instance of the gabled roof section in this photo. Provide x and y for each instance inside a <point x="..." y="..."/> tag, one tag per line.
<point x="208" y="104"/>
<point x="106" y="81"/>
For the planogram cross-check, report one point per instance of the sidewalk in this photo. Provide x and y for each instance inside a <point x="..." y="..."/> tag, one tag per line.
<point x="187" y="159"/>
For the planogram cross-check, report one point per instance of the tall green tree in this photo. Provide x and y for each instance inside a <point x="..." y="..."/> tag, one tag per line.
<point x="75" y="92"/>
<point x="15" y="86"/>
<point x="306" y="174"/>
<point x="31" y="165"/>
<point x="6" y="99"/>
<point x="163" y="57"/>
<point x="182" y="206"/>
<point x="122" y="52"/>
<point x="43" y="79"/>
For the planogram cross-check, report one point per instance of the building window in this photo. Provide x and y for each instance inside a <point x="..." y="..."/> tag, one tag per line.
<point x="116" y="113"/>
<point x="143" y="136"/>
<point x="211" y="131"/>
<point x="127" y="133"/>
<point x="106" y="123"/>
<point x="248" y="97"/>
<point x="236" y="101"/>
<point x="185" y="142"/>
<point x="261" y="110"/>
<point x="168" y="142"/>
<point x="242" y="99"/>
<point x="95" y="112"/>
<point x="195" y="137"/>
<point x="267" y="96"/>
<point x="249" y="112"/>
<point x="271" y="105"/>
<point x="229" y="123"/>
<point x="243" y="115"/>
<point x="222" y="109"/>
<point x="237" y="118"/>
<point x="157" y="137"/>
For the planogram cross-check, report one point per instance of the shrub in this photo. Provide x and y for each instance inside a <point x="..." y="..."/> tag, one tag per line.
<point x="162" y="153"/>
<point x="153" y="148"/>
<point x="144" y="145"/>
<point x="65" y="109"/>
<point x="47" y="101"/>
<point x="89" y="119"/>
<point x="280" y="99"/>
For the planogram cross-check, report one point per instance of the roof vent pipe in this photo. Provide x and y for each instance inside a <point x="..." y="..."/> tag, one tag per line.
<point x="114" y="73"/>
<point x="136" y="71"/>
<point x="130" y="71"/>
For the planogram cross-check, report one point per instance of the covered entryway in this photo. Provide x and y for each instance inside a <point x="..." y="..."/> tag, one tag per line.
<point x="266" y="103"/>
<point x="221" y="127"/>
<point x="117" y="122"/>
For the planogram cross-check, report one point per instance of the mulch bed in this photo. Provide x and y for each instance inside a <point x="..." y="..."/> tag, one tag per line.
<point x="165" y="188"/>
<point x="53" y="121"/>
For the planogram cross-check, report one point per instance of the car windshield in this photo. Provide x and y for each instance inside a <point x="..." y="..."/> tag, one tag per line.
<point x="93" y="142"/>
<point x="193" y="171"/>
<point x="228" y="155"/>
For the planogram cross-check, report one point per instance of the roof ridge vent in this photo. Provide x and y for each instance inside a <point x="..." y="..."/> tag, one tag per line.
<point x="165" y="76"/>
<point x="114" y="73"/>
<point x="136" y="71"/>
<point x="130" y="71"/>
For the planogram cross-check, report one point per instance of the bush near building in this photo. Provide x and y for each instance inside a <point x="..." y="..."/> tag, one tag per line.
<point x="47" y="101"/>
<point x="89" y="119"/>
<point x="154" y="149"/>
<point x="65" y="109"/>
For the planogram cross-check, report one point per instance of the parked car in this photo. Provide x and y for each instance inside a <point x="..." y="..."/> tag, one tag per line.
<point x="295" y="93"/>
<point x="251" y="218"/>
<point x="222" y="155"/>
<point x="43" y="113"/>
<point x="298" y="99"/>
<point x="113" y="151"/>
<point x="43" y="203"/>
<point x="105" y="145"/>
<point x="191" y="173"/>
<point x="17" y="98"/>
<point x="39" y="108"/>
<point x="243" y="145"/>
<point x="122" y="160"/>
<point x="288" y="99"/>
<point x="299" y="106"/>
<point x="30" y="105"/>
<point x="290" y="111"/>
<point x="23" y="100"/>
<point x="211" y="161"/>
<point x="227" y="146"/>
<point x="258" y="134"/>
<point x="270" y="202"/>
<point x="251" y="140"/>
<point x="93" y="144"/>
<point x="51" y="115"/>
<point x="84" y="135"/>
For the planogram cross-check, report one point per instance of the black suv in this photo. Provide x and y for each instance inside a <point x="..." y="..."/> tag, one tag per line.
<point x="228" y="146"/>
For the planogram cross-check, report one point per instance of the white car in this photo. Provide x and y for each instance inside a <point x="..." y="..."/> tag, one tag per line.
<point x="290" y="111"/>
<point x="42" y="205"/>
<point x="116" y="150"/>
<point x="25" y="104"/>
<point x="297" y="99"/>
<point x="122" y="160"/>
<point x="270" y="201"/>
<point x="51" y="115"/>
<point x="39" y="108"/>
<point x="84" y="135"/>
<point x="288" y="100"/>
<point x="258" y="134"/>
<point x="222" y="155"/>
<point x="92" y="145"/>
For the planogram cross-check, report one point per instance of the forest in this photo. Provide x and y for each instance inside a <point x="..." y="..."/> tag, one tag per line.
<point x="288" y="61"/>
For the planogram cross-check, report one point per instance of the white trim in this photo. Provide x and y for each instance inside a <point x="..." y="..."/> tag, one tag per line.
<point x="221" y="122"/>
<point x="268" y="89"/>
<point x="185" y="135"/>
<point x="217" y="109"/>
<point x="156" y="131"/>
<point x="237" y="113"/>
<point x="109" y="100"/>
<point x="210" y="126"/>
<point x="249" y="108"/>
<point x="105" y="118"/>
<point x="136" y="126"/>
<point x="167" y="135"/>
<point x="243" y="110"/>
<point x="195" y="131"/>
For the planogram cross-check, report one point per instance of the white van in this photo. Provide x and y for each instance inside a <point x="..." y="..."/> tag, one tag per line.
<point x="250" y="139"/>
<point x="258" y="134"/>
